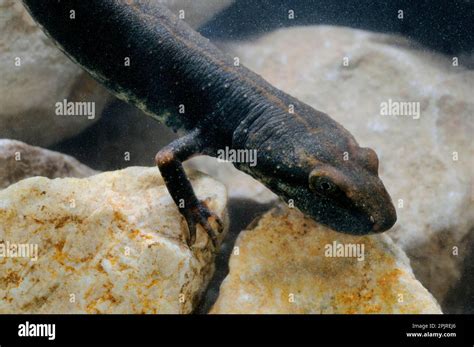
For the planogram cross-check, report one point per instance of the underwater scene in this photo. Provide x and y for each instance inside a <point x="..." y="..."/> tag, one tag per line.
<point x="236" y="157"/>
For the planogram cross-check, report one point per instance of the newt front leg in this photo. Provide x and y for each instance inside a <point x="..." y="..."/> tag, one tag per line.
<point x="169" y="161"/>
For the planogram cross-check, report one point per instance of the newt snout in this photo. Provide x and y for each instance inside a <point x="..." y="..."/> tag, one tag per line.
<point x="377" y="206"/>
<point x="377" y="202"/>
<point x="385" y="217"/>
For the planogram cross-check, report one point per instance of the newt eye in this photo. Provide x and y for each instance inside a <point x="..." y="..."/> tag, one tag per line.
<point x="322" y="184"/>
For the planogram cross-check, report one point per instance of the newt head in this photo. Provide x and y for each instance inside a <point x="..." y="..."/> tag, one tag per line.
<point x="350" y="196"/>
<point x="345" y="195"/>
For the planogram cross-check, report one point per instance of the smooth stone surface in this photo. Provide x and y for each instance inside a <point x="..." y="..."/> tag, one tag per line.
<point x="280" y="265"/>
<point x="19" y="161"/>
<point x="416" y="155"/>
<point x="29" y="92"/>
<point x="110" y="243"/>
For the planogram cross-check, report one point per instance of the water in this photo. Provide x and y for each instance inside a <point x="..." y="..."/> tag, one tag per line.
<point x="440" y="34"/>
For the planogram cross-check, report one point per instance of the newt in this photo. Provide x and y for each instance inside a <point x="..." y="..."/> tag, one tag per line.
<point x="150" y="58"/>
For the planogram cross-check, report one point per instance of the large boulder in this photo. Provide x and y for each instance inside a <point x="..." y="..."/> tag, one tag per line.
<point x="425" y="163"/>
<point x="19" y="161"/>
<point x="286" y="263"/>
<point x="110" y="243"/>
<point x="35" y="76"/>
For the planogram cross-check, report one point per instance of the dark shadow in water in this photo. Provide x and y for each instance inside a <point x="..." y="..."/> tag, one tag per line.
<point x="122" y="128"/>
<point x="460" y="299"/>
<point x="241" y="213"/>
<point x="441" y="25"/>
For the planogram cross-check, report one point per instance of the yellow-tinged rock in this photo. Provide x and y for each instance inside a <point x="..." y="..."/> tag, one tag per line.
<point x="110" y="243"/>
<point x="287" y="263"/>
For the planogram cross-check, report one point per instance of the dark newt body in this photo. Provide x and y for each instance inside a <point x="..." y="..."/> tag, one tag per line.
<point x="180" y="78"/>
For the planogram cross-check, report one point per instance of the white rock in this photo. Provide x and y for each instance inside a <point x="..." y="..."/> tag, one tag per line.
<point x="238" y="184"/>
<point x="29" y="92"/>
<point x="110" y="243"/>
<point x="416" y="155"/>
<point x="19" y="161"/>
<point x="281" y="265"/>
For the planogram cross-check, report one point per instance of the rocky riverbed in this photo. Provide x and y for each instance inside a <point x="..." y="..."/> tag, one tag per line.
<point x="110" y="240"/>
